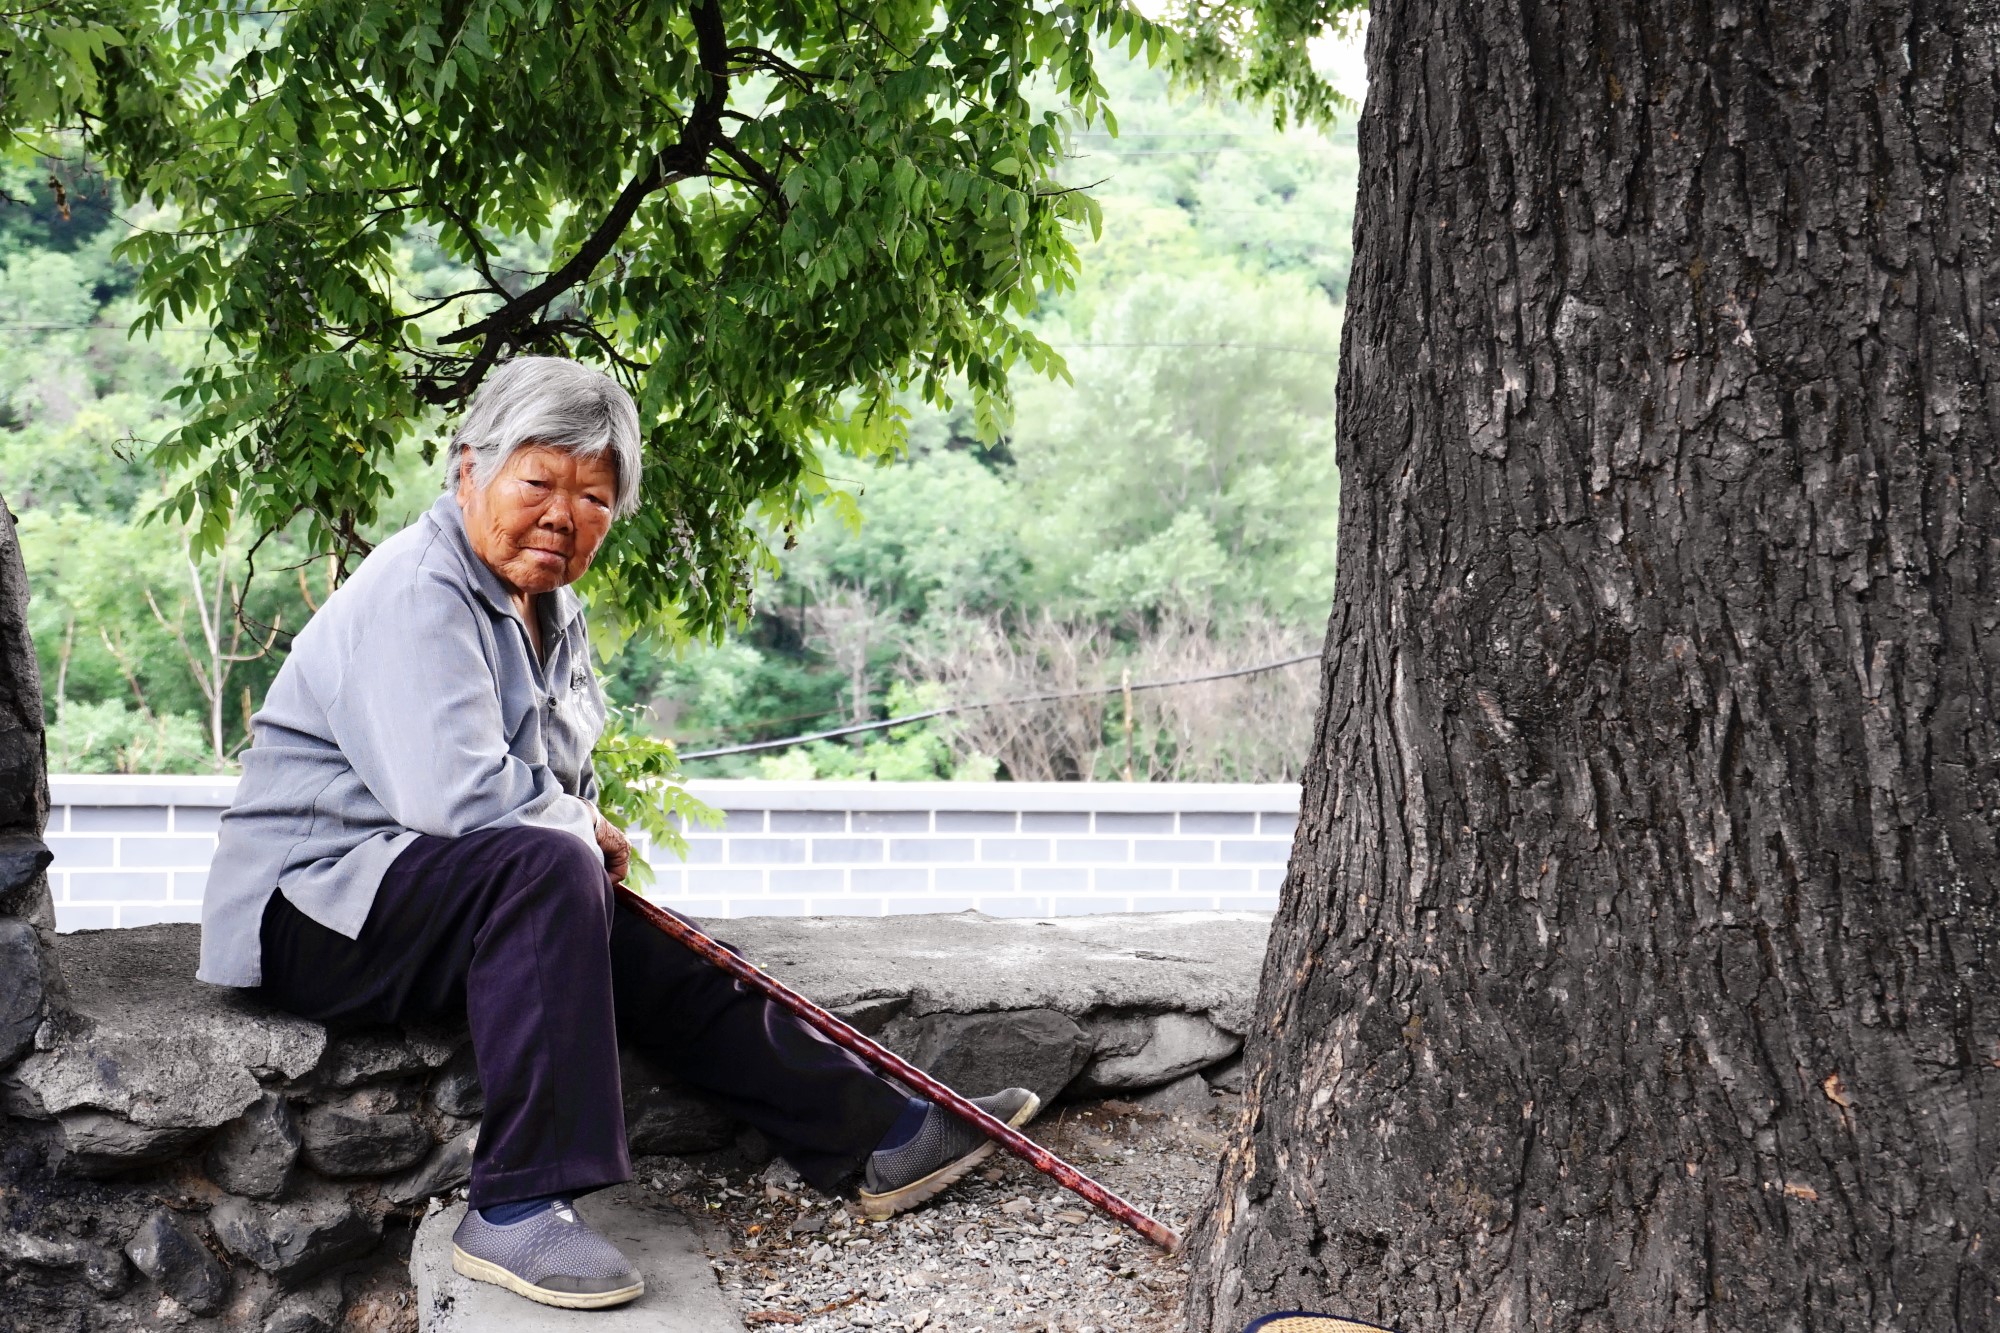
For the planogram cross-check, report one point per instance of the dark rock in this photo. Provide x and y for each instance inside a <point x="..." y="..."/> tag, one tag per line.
<point x="436" y="1043"/>
<point x="20" y="987"/>
<point x="456" y="1091"/>
<point x="168" y="1250"/>
<point x="753" y="1149"/>
<point x="370" y="1057"/>
<point x="17" y="1099"/>
<point x="1184" y="1096"/>
<point x="23" y="890"/>
<point x="104" y="1270"/>
<point x="253" y="1154"/>
<point x="1139" y="1051"/>
<point x="869" y="1016"/>
<point x="297" y="1239"/>
<point x="662" y="1116"/>
<point x="1228" y="1076"/>
<point x="101" y="1144"/>
<point x="672" y="1120"/>
<point x="445" y="1128"/>
<point x="313" y="1310"/>
<point x="448" y="1168"/>
<point x="343" y="1141"/>
<point x="979" y="1054"/>
<point x="22" y="777"/>
<point x="289" y="1318"/>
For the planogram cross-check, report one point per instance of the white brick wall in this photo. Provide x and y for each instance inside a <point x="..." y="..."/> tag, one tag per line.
<point x="135" y="850"/>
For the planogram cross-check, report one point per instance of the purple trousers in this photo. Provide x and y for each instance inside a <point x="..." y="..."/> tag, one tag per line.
<point x="518" y="929"/>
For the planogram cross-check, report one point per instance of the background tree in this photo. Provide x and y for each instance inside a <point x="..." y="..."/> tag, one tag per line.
<point x="767" y="217"/>
<point x="1639" y="962"/>
<point x="1202" y="325"/>
<point x="1199" y="338"/>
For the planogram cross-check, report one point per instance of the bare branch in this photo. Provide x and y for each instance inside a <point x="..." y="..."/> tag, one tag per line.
<point x="277" y="623"/>
<point x="117" y="651"/>
<point x="173" y="627"/>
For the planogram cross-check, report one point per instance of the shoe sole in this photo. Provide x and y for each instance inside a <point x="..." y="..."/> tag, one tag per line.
<point x="480" y="1270"/>
<point x="890" y="1202"/>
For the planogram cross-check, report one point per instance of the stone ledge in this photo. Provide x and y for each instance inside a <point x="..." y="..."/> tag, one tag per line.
<point x="247" y="1162"/>
<point x="1185" y="962"/>
<point x="151" y="1060"/>
<point x="1090" y="1004"/>
<point x="148" y="1060"/>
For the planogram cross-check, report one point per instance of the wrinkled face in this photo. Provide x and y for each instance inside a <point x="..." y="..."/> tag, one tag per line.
<point x="541" y="519"/>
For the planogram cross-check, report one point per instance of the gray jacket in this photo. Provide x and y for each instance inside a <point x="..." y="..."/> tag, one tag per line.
<point x="411" y="704"/>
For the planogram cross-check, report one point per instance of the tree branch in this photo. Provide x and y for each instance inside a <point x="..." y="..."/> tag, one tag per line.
<point x="195" y="667"/>
<point x="116" y="648"/>
<point x="683" y="159"/>
<point x="478" y="248"/>
<point x="762" y="175"/>
<point x="757" y="57"/>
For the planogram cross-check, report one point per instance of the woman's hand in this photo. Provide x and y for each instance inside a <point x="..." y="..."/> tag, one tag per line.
<point x="617" y="849"/>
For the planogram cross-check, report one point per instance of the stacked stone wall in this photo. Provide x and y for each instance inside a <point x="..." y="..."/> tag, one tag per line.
<point x="174" y="1154"/>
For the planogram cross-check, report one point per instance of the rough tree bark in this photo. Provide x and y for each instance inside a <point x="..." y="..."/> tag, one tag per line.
<point x="30" y="981"/>
<point x="1637" y="968"/>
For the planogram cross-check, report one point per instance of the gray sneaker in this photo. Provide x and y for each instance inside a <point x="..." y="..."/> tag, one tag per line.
<point x="553" y="1257"/>
<point x="943" y="1151"/>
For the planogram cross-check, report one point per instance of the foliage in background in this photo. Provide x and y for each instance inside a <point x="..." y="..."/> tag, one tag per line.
<point x="1260" y="51"/>
<point x="927" y="751"/>
<point x="770" y="218"/>
<point x="1186" y="478"/>
<point x="1190" y="463"/>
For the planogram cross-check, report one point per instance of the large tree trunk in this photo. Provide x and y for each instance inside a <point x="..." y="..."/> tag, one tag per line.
<point x="30" y="982"/>
<point x="1637" y="964"/>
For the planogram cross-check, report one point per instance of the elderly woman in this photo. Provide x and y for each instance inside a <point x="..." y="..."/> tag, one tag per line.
<point x="415" y="836"/>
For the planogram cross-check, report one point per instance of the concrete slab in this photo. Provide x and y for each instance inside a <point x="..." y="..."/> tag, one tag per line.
<point x="681" y="1292"/>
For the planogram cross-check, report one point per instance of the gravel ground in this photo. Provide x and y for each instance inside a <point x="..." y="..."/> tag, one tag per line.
<point x="1005" y="1249"/>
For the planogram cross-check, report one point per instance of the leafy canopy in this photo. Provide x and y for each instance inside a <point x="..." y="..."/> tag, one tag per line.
<point x="769" y="218"/>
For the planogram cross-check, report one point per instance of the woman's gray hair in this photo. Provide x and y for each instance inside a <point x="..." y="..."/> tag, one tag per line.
<point x="562" y="404"/>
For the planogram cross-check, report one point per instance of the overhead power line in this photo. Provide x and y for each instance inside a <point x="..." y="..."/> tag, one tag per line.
<point x="98" y="324"/>
<point x="858" y="728"/>
<point x="1219" y="346"/>
<point x="1113" y="150"/>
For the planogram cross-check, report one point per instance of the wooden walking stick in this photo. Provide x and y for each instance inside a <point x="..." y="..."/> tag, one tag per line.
<point x="896" y="1067"/>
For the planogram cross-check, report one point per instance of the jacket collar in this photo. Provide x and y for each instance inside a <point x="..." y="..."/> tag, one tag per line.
<point x="450" y="521"/>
